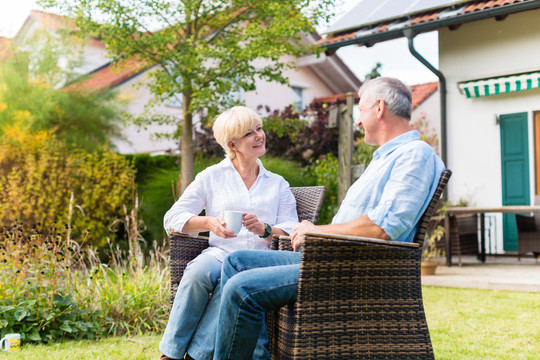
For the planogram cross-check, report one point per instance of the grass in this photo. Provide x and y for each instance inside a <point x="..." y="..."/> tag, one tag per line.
<point x="133" y="348"/>
<point x="463" y="323"/>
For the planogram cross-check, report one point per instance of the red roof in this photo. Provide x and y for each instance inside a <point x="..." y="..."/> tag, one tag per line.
<point x="447" y="15"/>
<point x="110" y="75"/>
<point x="419" y="94"/>
<point x="53" y="21"/>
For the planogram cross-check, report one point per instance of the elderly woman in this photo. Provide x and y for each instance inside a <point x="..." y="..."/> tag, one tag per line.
<point x="240" y="183"/>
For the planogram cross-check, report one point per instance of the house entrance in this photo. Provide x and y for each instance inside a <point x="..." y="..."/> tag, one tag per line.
<point x="515" y="171"/>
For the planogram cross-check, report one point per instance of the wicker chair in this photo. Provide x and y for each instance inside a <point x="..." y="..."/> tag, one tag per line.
<point x="358" y="298"/>
<point x="185" y="248"/>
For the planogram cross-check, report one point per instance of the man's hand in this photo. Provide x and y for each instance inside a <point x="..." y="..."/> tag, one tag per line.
<point x="297" y="233"/>
<point x="217" y="226"/>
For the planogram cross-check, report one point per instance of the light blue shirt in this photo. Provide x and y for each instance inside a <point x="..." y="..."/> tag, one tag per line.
<point x="396" y="187"/>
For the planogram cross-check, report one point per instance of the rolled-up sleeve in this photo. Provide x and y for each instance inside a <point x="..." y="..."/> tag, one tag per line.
<point x="190" y="204"/>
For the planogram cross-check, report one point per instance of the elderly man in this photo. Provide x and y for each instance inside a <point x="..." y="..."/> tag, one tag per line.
<point x="386" y="202"/>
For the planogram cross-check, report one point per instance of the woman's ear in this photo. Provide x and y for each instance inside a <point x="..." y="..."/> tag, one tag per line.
<point x="231" y="145"/>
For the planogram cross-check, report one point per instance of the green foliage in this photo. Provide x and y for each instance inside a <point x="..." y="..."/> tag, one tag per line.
<point x="282" y="126"/>
<point x="52" y="289"/>
<point x="325" y="172"/>
<point x="374" y="73"/>
<point x="80" y="119"/>
<point x="43" y="182"/>
<point x="363" y="153"/>
<point x="204" y="49"/>
<point x="290" y="170"/>
<point x="34" y="288"/>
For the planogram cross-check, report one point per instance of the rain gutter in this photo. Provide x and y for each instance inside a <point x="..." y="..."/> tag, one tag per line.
<point x="369" y="38"/>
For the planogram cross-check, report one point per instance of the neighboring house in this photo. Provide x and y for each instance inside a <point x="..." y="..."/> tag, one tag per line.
<point x="489" y="55"/>
<point x="314" y="77"/>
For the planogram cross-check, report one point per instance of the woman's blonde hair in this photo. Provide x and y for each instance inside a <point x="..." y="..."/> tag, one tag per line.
<point x="232" y="124"/>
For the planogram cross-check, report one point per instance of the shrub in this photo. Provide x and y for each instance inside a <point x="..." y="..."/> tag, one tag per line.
<point x="325" y="172"/>
<point x="52" y="289"/>
<point x="42" y="182"/>
<point x="289" y="134"/>
<point x="34" y="288"/>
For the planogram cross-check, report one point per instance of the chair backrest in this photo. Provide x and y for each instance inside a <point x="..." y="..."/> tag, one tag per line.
<point x="308" y="201"/>
<point x="423" y="223"/>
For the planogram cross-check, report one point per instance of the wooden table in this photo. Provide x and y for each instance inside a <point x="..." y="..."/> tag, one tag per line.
<point x="481" y="211"/>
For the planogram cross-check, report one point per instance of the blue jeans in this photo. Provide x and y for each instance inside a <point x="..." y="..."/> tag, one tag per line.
<point x="253" y="282"/>
<point x="193" y="319"/>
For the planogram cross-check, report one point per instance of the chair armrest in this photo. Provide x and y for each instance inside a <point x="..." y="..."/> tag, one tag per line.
<point x="184" y="248"/>
<point x="353" y="239"/>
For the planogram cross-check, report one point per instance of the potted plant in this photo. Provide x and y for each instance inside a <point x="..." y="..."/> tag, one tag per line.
<point x="431" y="253"/>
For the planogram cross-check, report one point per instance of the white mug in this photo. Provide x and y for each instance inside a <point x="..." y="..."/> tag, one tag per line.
<point x="233" y="221"/>
<point x="12" y="342"/>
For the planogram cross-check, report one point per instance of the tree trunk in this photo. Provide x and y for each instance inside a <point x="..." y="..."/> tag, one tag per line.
<point x="186" y="144"/>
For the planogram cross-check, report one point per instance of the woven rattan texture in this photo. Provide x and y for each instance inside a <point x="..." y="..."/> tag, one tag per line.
<point x="356" y="301"/>
<point x="185" y="248"/>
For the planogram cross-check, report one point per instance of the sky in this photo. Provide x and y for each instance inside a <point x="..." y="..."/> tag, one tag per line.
<point x="394" y="55"/>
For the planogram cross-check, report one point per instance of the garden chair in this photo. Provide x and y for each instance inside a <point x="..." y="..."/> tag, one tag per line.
<point x="358" y="298"/>
<point x="185" y="248"/>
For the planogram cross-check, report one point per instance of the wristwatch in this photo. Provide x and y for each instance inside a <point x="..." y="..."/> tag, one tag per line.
<point x="267" y="231"/>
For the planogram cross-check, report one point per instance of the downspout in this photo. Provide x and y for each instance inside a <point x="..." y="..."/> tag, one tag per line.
<point x="442" y="91"/>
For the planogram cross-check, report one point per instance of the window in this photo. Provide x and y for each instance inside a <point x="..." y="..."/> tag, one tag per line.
<point x="297" y="98"/>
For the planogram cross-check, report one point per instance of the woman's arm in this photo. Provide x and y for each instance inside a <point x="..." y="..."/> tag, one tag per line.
<point x="208" y="223"/>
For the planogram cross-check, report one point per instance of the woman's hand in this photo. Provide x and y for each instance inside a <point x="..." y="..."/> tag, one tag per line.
<point x="297" y="233"/>
<point x="252" y="224"/>
<point x="217" y="226"/>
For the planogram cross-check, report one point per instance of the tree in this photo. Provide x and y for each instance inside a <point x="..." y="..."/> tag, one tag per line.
<point x="201" y="50"/>
<point x="374" y="73"/>
<point x="33" y="97"/>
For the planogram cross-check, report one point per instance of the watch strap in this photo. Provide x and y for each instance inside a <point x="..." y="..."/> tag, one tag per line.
<point x="267" y="231"/>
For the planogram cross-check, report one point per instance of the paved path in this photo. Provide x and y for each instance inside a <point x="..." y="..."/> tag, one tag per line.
<point x="495" y="274"/>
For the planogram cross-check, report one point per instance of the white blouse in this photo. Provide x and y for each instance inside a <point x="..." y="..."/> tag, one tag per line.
<point x="219" y="188"/>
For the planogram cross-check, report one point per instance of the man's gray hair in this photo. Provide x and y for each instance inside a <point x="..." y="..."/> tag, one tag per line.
<point x="395" y="94"/>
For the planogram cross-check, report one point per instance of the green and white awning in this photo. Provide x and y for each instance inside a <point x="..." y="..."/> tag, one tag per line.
<point x="500" y="85"/>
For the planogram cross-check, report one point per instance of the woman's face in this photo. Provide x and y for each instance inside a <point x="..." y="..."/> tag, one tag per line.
<point x="252" y="144"/>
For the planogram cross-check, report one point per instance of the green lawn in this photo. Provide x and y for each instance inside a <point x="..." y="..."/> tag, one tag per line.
<point x="464" y="324"/>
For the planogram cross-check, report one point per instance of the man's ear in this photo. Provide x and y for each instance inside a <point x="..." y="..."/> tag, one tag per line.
<point x="380" y="109"/>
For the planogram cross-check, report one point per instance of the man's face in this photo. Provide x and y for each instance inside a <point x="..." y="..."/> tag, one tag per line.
<point x="367" y="119"/>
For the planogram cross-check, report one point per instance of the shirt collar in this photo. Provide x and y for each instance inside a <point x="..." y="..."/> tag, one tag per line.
<point x="227" y="162"/>
<point x="391" y="145"/>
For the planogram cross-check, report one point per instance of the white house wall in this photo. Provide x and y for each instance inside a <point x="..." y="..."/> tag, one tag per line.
<point x="278" y="96"/>
<point x="137" y="139"/>
<point x="477" y="50"/>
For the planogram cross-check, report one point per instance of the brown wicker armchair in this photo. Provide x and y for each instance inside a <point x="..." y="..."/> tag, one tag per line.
<point x="358" y="298"/>
<point x="185" y="248"/>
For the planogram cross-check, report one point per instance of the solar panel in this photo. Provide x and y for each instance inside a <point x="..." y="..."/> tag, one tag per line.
<point x="371" y="11"/>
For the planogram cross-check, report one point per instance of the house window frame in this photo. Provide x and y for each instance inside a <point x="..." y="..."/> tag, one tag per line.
<point x="298" y="90"/>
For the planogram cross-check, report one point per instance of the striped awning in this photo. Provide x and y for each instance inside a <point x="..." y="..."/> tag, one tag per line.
<point x="500" y="85"/>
